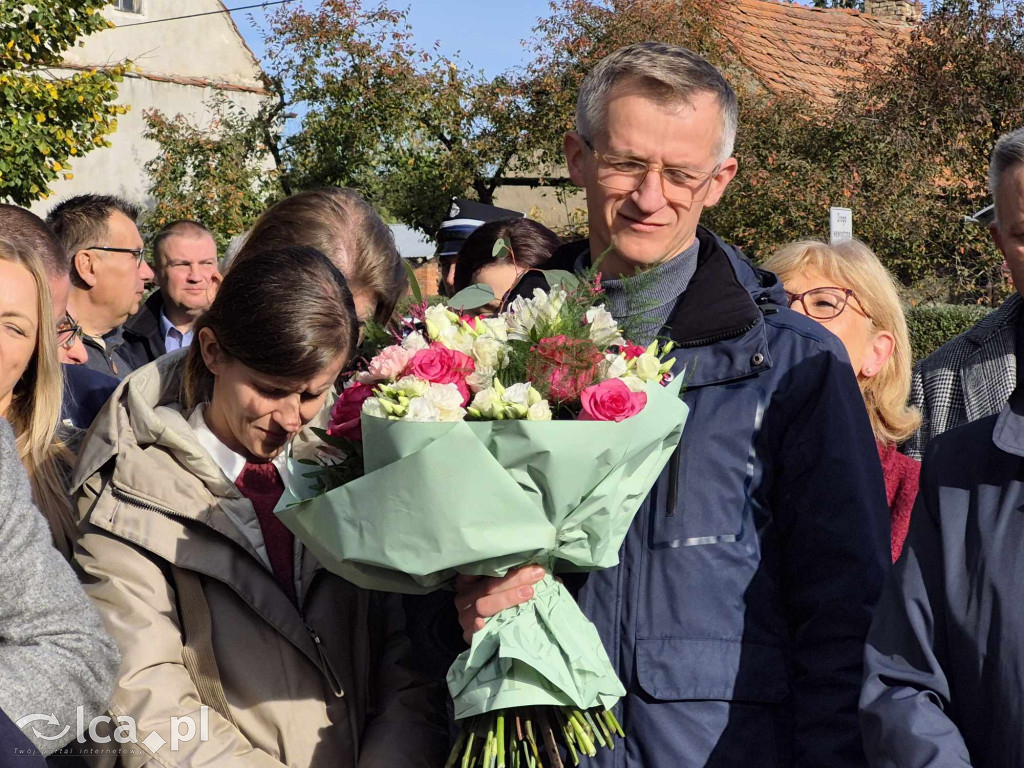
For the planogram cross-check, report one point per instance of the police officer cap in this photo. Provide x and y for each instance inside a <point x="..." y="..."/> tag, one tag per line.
<point x="464" y="217"/>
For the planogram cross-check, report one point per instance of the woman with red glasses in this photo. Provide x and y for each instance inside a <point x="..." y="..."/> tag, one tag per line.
<point x="845" y="288"/>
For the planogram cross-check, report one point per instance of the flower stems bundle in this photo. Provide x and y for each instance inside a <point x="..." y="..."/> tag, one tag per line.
<point x="529" y="737"/>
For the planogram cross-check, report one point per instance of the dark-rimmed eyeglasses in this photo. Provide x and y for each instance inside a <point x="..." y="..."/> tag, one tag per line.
<point x="138" y="253"/>
<point x="825" y="303"/>
<point x="627" y="174"/>
<point x="68" y="332"/>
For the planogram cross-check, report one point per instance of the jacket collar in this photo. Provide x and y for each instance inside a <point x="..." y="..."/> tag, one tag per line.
<point x="1006" y="316"/>
<point x="146" y="322"/>
<point x="1008" y="434"/>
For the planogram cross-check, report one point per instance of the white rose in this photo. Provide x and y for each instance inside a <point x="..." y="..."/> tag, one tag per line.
<point x="447" y="399"/>
<point x="480" y="378"/>
<point x="456" y="338"/>
<point x="487" y="352"/>
<point x="518" y="394"/>
<point x="634" y="383"/>
<point x="414" y="342"/>
<point x="648" y="367"/>
<point x="613" y="367"/>
<point x="421" y="409"/>
<point x="493" y="327"/>
<point x="485" y="402"/>
<point x="539" y="411"/>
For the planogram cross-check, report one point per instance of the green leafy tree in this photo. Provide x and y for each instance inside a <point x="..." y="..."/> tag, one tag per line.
<point x="408" y="127"/>
<point x="47" y="120"/>
<point x="219" y="173"/>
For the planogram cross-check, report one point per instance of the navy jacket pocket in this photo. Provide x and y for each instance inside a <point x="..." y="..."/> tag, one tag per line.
<point x="680" y="669"/>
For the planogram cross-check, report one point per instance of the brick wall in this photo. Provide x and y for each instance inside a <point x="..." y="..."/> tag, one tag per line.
<point x="428" y="273"/>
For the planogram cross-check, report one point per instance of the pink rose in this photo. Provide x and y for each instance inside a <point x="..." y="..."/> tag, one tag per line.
<point x="561" y="367"/>
<point x="632" y="351"/>
<point x="611" y="400"/>
<point x="440" y="365"/>
<point x="344" y="421"/>
<point x="390" y="363"/>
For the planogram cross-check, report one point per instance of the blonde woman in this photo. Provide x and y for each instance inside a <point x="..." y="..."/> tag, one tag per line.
<point x="31" y="384"/>
<point x="845" y="288"/>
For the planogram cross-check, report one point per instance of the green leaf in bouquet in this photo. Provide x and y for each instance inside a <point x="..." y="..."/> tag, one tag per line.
<point x="472" y="297"/>
<point x="414" y="283"/>
<point x="501" y="247"/>
<point x="561" y="278"/>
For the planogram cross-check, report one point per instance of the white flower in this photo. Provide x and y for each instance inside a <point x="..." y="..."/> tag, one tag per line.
<point x="410" y="386"/>
<point x="372" y="407"/>
<point x="648" y="367"/>
<point x="438" y="318"/>
<point x="414" y="342"/>
<point x="488" y="352"/>
<point x="635" y="383"/>
<point x="539" y="411"/>
<point x="604" y="331"/>
<point x="493" y="327"/>
<point x="485" y="402"/>
<point x="613" y="367"/>
<point x="480" y="378"/>
<point x="447" y="399"/>
<point x="523" y="315"/>
<point x="455" y="337"/>
<point x="421" y="409"/>
<point x="519" y="394"/>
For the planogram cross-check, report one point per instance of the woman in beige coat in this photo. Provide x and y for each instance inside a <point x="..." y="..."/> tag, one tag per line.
<point x="231" y="633"/>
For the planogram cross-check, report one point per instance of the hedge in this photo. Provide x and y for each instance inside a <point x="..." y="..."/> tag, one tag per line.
<point x="932" y="325"/>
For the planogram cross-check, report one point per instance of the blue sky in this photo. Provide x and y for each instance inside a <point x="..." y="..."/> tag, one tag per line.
<point x="485" y="33"/>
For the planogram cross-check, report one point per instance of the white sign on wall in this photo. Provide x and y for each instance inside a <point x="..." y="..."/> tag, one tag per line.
<point x="841" y="224"/>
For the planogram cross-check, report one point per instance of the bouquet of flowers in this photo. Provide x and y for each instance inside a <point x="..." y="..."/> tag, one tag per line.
<point x="477" y="445"/>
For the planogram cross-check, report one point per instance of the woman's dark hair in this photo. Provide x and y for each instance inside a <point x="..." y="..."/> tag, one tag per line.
<point x="341" y="225"/>
<point x="532" y="245"/>
<point x="284" y="312"/>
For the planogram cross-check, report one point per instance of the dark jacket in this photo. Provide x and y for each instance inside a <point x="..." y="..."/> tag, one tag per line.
<point x="143" y="336"/>
<point x="111" y="357"/>
<point x="16" y="751"/>
<point x="944" y="664"/>
<point x="967" y="378"/>
<point x="85" y="392"/>
<point x="737" y="616"/>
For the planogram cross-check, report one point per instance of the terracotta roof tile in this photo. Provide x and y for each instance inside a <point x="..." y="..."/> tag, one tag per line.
<point x="793" y="49"/>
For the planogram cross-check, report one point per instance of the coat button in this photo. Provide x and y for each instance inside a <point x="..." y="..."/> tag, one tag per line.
<point x="757" y="359"/>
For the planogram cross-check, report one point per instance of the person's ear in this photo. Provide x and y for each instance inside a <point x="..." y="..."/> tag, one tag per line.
<point x="879" y="351"/>
<point x="84" y="264"/>
<point x="997" y="236"/>
<point x="718" y="182"/>
<point x="211" y="351"/>
<point x="576" y="152"/>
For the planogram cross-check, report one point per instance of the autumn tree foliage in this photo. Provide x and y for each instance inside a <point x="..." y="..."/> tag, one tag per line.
<point x="217" y="171"/>
<point x="406" y="126"/>
<point x="47" y="120"/>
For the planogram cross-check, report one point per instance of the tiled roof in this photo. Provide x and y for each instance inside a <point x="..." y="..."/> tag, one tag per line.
<point x="793" y="49"/>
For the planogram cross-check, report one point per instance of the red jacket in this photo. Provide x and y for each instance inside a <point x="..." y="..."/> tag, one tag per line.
<point x="901" y="476"/>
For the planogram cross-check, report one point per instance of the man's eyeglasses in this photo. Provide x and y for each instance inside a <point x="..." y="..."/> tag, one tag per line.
<point x="68" y="332"/>
<point x="138" y="253"/>
<point x="625" y="174"/>
<point x="825" y="303"/>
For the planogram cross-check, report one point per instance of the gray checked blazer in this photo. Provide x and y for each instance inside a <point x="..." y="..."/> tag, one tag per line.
<point x="969" y="377"/>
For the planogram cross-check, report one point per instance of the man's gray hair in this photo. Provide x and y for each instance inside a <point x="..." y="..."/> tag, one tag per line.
<point x="671" y="74"/>
<point x="1009" y="152"/>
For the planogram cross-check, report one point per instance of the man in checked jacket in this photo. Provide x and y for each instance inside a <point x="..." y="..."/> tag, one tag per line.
<point x="971" y="376"/>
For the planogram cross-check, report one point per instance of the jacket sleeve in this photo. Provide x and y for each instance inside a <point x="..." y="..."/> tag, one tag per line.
<point x="833" y="528"/>
<point x="406" y="725"/>
<point x="139" y="608"/>
<point x="54" y="652"/>
<point x="914" y="447"/>
<point x="906" y="693"/>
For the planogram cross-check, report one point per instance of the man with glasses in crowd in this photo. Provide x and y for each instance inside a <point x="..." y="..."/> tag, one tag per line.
<point x="185" y="262"/>
<point x="737" y="615"/>
<point x="108" y="273"/>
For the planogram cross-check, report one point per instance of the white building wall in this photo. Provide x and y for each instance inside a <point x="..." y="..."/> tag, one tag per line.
<point x="208" y="51"/>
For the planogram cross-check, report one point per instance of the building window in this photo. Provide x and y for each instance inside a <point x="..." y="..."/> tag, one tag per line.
<point x="128" y="6"/>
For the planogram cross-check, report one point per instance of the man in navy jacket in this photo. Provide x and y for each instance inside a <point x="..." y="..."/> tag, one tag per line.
<point x="737" y="616"/>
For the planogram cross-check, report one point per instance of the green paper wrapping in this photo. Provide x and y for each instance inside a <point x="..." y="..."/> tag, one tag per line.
<point x="479" y="498"/>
